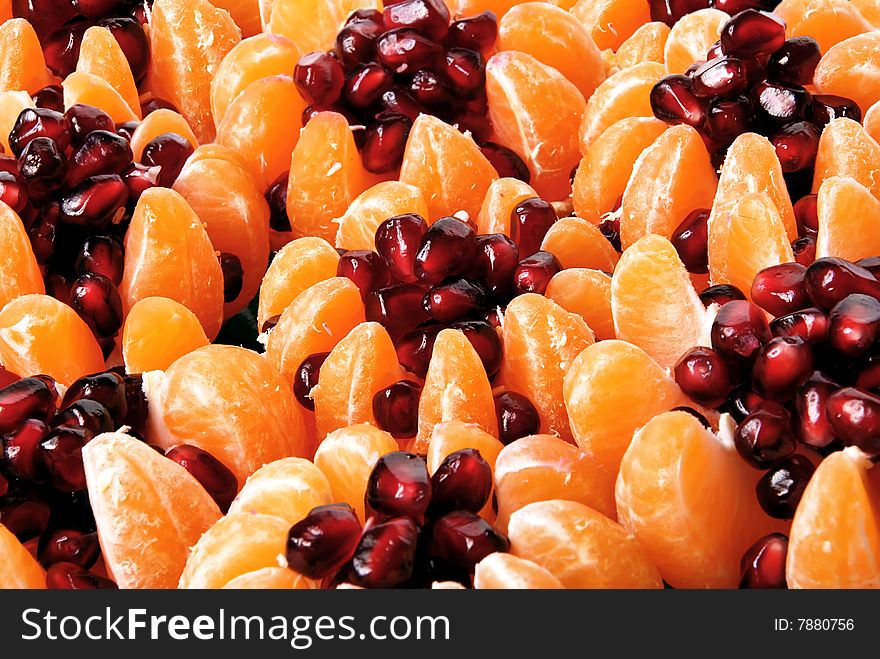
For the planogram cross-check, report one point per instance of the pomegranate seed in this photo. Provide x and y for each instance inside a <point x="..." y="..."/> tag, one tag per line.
<point x="810" y="324"/>
<point x="497" y="259"/>
<point x="385" y="142"/>
<point x="97" y="301"/>
<point x="464" y="71"/>
<point x="306" y="378"/>
<point x="107" y="388"/>
<point x="13" y="192"/>
<point x="796" y="145"/>
<point x="533" y="273"/>
<point x="781" y="367"/>
<point x="7" y="377"/>
<point x="506" y="162"/>
<point x="276" y="197"/>
<point x="50" y="97"/>
<point x="804" y="250"/>
<point x="517" y="416"/>
<point x="405" y="50"/>
<point x="673" y="101"/>
<point x="831" y="279"/>
<point x="101" y="255"/>
<point x="670" y="11"/>
<point x="742" y="402"/>
<point x="42" y="163"/>
<point x="70" y="546"/>
<point x="739" y="330"/>
<point x="385" y="555"/>
<point x="752" y="32"/>
<point x="723" y="77"/>
<point x="463" y="481"/>
<point x="764" y="436"/>
<point x="319" y="78"/>
<point x="43" y="235"/>
<point x="454" y="300"/>
<point x="366" y="269"/>
<point x="812" y="426"/>
<point x="871" y="264"/>
<point x="83" y="119"/>
<point x="429" y="17"/>
<point x="703" y="375"/>
<point x="28" y="398"/>
<point x="779" y="103"/>
<point x="447" y="249"/>
<point x="365" y="85"/>
<point x="396" y="408"/>
<point x="96" y="202"/>
<point x="324" y="541"/>
<point x="415" y="348"/>
<point x="133" y="41"/>
<point x="20" y="446"/>
<point x="427" y="88"/>
<point x="399" y="308"/>
<point x="806" y="215"/>
<point x="780" y="289"/>
<point x="356" y="41"/>
<point x="24" y="518"/>
<point x="136" y="403"/>
<point x="463" y="539"/>
<point x="60" y="454"/>
<point x="763" y="564"/>
<point x="494" y="316"/>
<point x="38" y="122"/>
<point x="233" y="276"/>
<point x="69" y="576"/>
<point x="826" y="107"/>
<point x="102" y="152"/>
<point x="168" y="151"/>
<point x="727" y="120"/>
<point x="140" y="178"/>
<point x="691" y="241"/>
<point x="212" y="474"/>
<point x="398" y="101"/>
<point x="721" y="294"/>
<point x="399" y="485"/>
<point x="485" y="341"/>
<point x="795" y="61"/>
<point x="154" y="103"/>
<point x="88" y="414"/>
<point x="529" y="222"/>
<point x="397" y="241"/>
<point x="61" y="47"/>
<point x="854" y="324"/>
<point x="477" y="32"/>
<point x="854" y="415"/>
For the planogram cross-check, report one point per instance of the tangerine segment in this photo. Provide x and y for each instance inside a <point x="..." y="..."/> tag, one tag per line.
<point x="610" y="22"/>
<point x="19" y="271"/>
<point x="361" y="365"/>
<point x="532" y="107"/>
<point x="505" y="571"/>
<point x="18" y="569"/>
<point x="313" y="25"/>
<point x="690" y="501"/>
<point x="654" y="302"/>
<point x="236" y="216"/>
<point x="11" y="105"/>
<point x="347" y="457"/>
<point x="24" y="67"/>
<point x="835" y="535"/>
<point x="691" y="37"/>
<point x="846" y="149"/>
<point x="501" y="199"/>
<point x="646" y="44"/>
<point x="669" y="179"/>
<point x="556" y="38"/>
<point x="257" y="57"/>
<point x="158" y="331"/>
<point x="237" y="544"/>
<point x="579" y="244"/>
<point x="852" y="69"/>
<point x="580" y="546"/>
<point x="271" y="578"/>
<point x="871" y="121"/>
<point x="168" y="254"/>
<point x="245" y="13"/>
<point x="624" y="94"/>
<point x="230" y="402"/>
<point x="299" y="265"/>
<point x="314" y="322"/>
<point x="288" y="488"/>
<point x="456" y="388"/>
<point x="544" y="467"/>
<point x="357" y="226"/>
<point x="89" y="89"/>
<point x="849" y="220"/>
<point x="541" y="340"/>
<point x="155" y="124"/>
<point x="447" y="166"/>
<point x="6" y="12"/>
<point x="870" y="9"/>
<point x="747" y="240"/>
<point x="828" y="21"/>
<point x="41" y="335"/>
<point x="751" y="165"/>
<point x="101" y="55"/>
<point x="148" y="509"/>
<point x="607" y="165"/>
<point x="586" y="293"/>
<point x="214" y="151"/>
<point x="262" y="124"/>
<point x="598" y="386"/>
<point x="326" y="175"/>
<point x="189" y="38"/>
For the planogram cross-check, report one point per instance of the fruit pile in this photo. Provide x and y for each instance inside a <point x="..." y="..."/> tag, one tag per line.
<point x="475" y="293"/>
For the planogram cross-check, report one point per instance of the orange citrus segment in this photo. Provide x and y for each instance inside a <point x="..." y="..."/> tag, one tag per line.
<point x="88" y="89"/>
<point x="849" y="220"/>
<point x="271" y="578"/>
<point x="610" y="22"/>
<point x="11" y="105"/>
<point x="870" y="9"/>
<point x="24" y="68"/>
<point x="828" y="21"/>
<point x="101" y="55"/>
<point x="586" y="293"/>
<point x="505" y="571"/>
<point x="19" y="272"/>
<point x="644" y="45"/>
<point x="357" y="226"/>
<point x="501" y="198"/>
<point x="846" y="149"/>
<point x="871" y="121"/>
<point x="245" y="13"/>
<point x="156" y="123"/>
<point x="158" y="331"/>
<point x="18" y="569"/>
<point x="579" y="244"/>
<point x="691" y="37"/>
<point x="852" y="69"/>
<point x="313" y="25"/>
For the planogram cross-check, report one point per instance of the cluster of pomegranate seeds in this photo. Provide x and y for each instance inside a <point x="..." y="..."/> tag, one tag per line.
<point x="419" y="528"/>
<point x="670" y="11"/>
<point x="390" y="66"/>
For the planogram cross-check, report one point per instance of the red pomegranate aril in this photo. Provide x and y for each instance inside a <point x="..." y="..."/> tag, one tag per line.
<point x="385" y="142"/>
<point x="319" y="78"/>
<point x="60" y="454"/>
<point x="233" y="276"/>
<point x="691" y="241"/>
<point x="26" y="519"/>
<point x="324" y="541"/>
<point x="763" y="564"/>
<point x="427" y="88"/>
<point x="50" y="97"/>
<point x="306" y="378"/>
<point x="610" y="228"/>
<point x="505" y="161"/>
<point x="742" y="402"/>
<point x="133" y="41"/>
<point x="386" y="554"/>
<point x="96" y="202"/>
<point x="399" y="485"/>
<point x="870" y="263"/>
<point x="366" y="269"/>
<point x="7" y="377"/>
<point x="533" y="273"/>
<point x="454" y="300"/>
<point x="276" y="197"/>
<point x="69" y="546"/>
<point x="13" y="192"/>
<point x="869" y="376"/>
<point x="780" y="289"/>
<point x="497" y="258"/>
<point x="44" y="15"/>
<point x="529" y="222"/>
<point x="854" y="415"/>
<point x="366" y="84"/>
<point x="739" y="330"/>
<point x="399" y="308"/>
<point x="97" y="301"/>
<point x="38" y="122"/>
<point x="703" y="375"/>
<point x="168" y="151"/>
<point x="107" y="388"/>
<point x="83" y="119"/>
<point x="727" y="120"/>
<point x="88" y="414"/>
<point x="396" y="408"/>
<point x="447" y="249"/>
<point x="485" y="341"/>
<point x="806" y="215"/>
<point x="69" y="576"/>
<point x="670" y="11"/>
<point x="673" y="101"/>
<point x="140" y="178"/>
<point x="764" y="436"/>
<point x="212" y="474"/>
<point x="778" y="103"/>
<point x="20" y="447"/>
<point x="723" y="77"/>
<point x="796" y="145"/>
<point x="810" y="324"/>
<point x="154" y="103"/>
<point x="28" y="398"/>
<point x="397" y="241"/>
<point x="61" y="47"/>
<point x="102" y="152"/>
<point x="517" y="416"/>
<point x="462" y="539"/>
<point x="429" y="17"/>
<point x="398" y="101"/>
<point x="831" y="279"/>
<point x="464" y="71"/>
<point x="414" y="349"/>
<point x="853" y="324"/>
<point x="477" y="32"/>
<point x="463" y="481"/>
<point x="804" y="250"/>
<point x="356" y="42"/>
<point x="137" y="406"/>
<point x="42" y="164"/>
<point x="752" y="32"/>
<point x="811" y="425"/>
<point x="781" y="367"/>
<point x="795" y="61"/>
<point x="405" y="51"/>
<point x="103" y="255"/>
<point x="721" y="294"/>
<point x="826" y="107"/>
